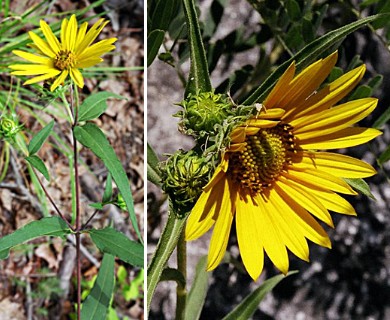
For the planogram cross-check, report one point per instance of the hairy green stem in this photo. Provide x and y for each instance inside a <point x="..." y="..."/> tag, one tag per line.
<point x="181" y="291"/>
<point x="167" y="243"/>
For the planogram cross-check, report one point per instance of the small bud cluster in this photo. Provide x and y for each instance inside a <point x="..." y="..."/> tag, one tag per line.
<point x="9" y="127"/>
<point x="184" y="176"/>
<point x="203" y="111"/>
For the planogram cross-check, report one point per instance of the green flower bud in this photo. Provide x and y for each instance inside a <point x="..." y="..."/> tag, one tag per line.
<point x="8" y="128"/>
<point x="184" y="176"/>
<point x="120" y="202"/>
<point x="203" y="111"/>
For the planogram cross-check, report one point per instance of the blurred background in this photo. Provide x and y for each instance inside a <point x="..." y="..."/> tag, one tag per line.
<point x="244" y="42"/>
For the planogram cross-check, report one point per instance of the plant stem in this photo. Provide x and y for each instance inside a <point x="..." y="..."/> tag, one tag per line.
<point x="181" y="292"/>
<point x="167" y="243"/>
<point x="74" y="109"/>
<point x="51" y="200"/>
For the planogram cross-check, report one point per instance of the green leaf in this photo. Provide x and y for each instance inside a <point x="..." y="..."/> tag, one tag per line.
<point x="171" y="274"/>
<point x="95" y="104"/>
<point x="307" y="55"/>
<point x="385" y="156"/>
<point x="198" y="292"/>
<point x="250" y="304"/>
<point x="155" y="40"/>
<point x="164" y="12"/>
<point x="384" y="117"/>
<point x="199" y="78"/>
<point x="38" y="164"/>
<point x="96" y="305"/>
<point x="51" y="226"/>
<point x="360" y="185"/>
<point x="38" y="140"/>
<point x="93" y="138"/>
<point x="153" y="173"/>
<point x="360" y="92"/>
<point x="293" y="10"/>
<point x="111" y="241"/>
<point x="96" y="205"/>
<point x="107" y="190"/>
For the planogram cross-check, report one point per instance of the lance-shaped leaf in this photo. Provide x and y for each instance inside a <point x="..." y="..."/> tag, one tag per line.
<point x="250" y="304"/>
<point x="360" y="185"/>
<point x="38" y="164"/>
<point x="198" y="292"/>
<point x="165" y="11"/>
<point x="38" y="140"/>
<point x="155" y="40"/>
<point x="95" y="105"/>
<point x="199" y="78"/>
<point x="51" y="226"/>
<point x="308" y="54"/>
<point x="93" y="138"/>
<point x="96" y="305"/>
<point x="111" y="241"/>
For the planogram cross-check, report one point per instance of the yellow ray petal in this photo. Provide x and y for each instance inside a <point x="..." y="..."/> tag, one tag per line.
<point x="248" y="236"/>
<point x="339" y="165"/>
<point x="33" y="58"/>
<point x="333" y="201"/>
<point x="269" y="235"/>
<point x="81" y="35"/>
<point x="304" y="222"/>
<point x="42" y="45"/>
<point x="291" y="236"/>
<point x="279" y="90"/>
<point x="99" y="48"/>
<point x="344" y="138"/>
<point x="206" y="210"/>
<point x="275" y="113"/>
<point x="98" y="52"/>
<point x="335" y="118"/>
<point x="238" y="135"/>
<point x="261" y="123"/>
<point x="71" y="32"/>
<point x="77" y="77"/>
<point x="220" y="237"/>
<point x="305" y="199"/>
<point x="91" y="35"/>
<point x="60" y="80"/>
<point x="33" y="68"/>
<point x="306" y="82"/>
<point x="329" y="95"/>
<point x="64" y="35"/>
<point x="43" y="77"/>
<point x="50" y="37"/>
<point x="85" y="63"/>
<point x="236" y="147"/>
<point x="319" y="179"/>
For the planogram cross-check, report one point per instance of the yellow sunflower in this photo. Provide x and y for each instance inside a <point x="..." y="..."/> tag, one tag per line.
<point x="62" y="58"/>
<point x="273" y="179"/>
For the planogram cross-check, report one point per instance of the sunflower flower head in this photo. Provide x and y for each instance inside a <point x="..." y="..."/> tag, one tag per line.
<point x="274" y="180"/>
<point x="184" y="175"/>
<point x="64" y="57"/>
<point x="202" y="111"/>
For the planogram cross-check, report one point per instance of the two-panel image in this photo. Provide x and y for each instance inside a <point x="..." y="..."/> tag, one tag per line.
<point x="194" y="159"/>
